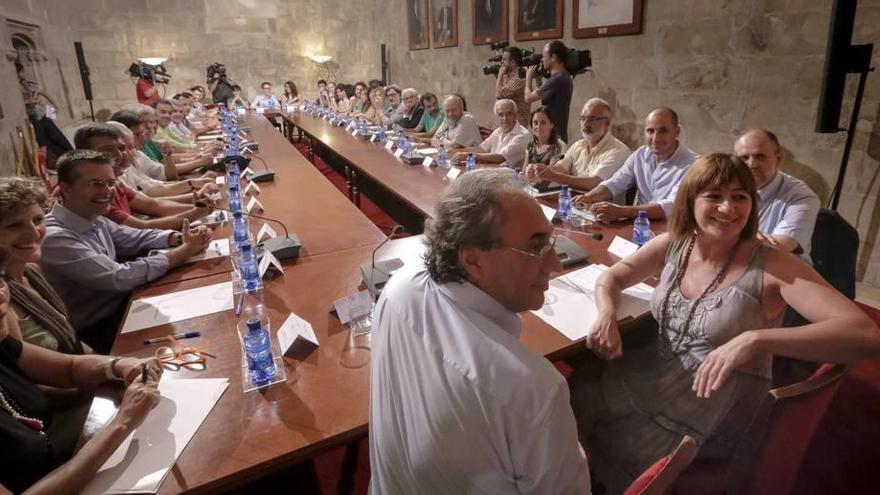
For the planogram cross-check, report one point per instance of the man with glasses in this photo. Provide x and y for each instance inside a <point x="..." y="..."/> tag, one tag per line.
<point x="265" y="100"/>
<point x="409" y="113"/>
<point x="82" y="248"/>
<point x="655" y="170"/>
<point x="456" y="400"/>
<point x="590" y="160"/>
<point x="159" y="213"/>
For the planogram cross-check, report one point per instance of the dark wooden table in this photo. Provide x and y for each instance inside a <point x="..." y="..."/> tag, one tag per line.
<point x="324" y="403"/>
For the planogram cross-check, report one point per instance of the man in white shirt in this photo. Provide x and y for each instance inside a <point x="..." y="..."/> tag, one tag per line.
<point x="655" y="170"/>
<point x="457" y="403"/>
<point x="265" y="100"/>
<point x="459" y="129"/>
<point x="787" y="207"/>
<point x="506" y="145"/>
<point x="590" y="160"/>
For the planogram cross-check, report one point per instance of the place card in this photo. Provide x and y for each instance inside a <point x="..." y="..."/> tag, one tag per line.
<point x="252" y="188"/>
<point x="453" y="173"/>
<point x="373" y="138"/>
<point x="389" y="145"/>
<point x="353" y="306"/>
<point x="296" y="337"/>
<point x="621" y="247"/>
<point x="269" y="260"/>
<point x="253" y="205"/>
<point x="220" y="180"/>
<point x="398" y="153"/>
<point x="265" y="231"/>
<point x="247" y="172"/>
<point x="548" y="212"/>
<point x="428" y="161"/>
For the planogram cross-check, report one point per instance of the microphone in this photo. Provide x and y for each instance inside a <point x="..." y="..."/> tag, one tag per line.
<point x="376" y="275"/>
<point x="283" y="248"/>
<point x="267" y="175"/>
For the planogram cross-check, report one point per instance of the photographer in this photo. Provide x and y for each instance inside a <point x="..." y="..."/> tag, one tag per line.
<point x="218" y="84"/>
<point x="148" y="76"/>
<point x="557" y="89"/>
<point x="510" y="86"/>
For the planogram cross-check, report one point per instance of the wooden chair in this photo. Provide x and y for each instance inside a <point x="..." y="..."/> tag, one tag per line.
<point x="657" y="479"/>
<point x="772" y="449"/>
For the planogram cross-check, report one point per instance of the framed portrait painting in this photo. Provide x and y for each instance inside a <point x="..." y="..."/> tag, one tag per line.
<point x="417" y="15"/>
<point x="538" y="19"/>
<point x="444" y="23"/>
<point x="490" y="21"/>
<point x="598" y="18"/>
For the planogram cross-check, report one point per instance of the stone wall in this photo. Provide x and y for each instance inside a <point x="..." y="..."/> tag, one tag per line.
<point x="724" y="65"/>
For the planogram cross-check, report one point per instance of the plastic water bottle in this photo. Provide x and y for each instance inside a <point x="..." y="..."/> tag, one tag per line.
<point x="442" y="159"/>
<point x="407" y="146"/>
<point x="234" y="197"/>
<point x="642" y="229"/>
<point x="250" y="276"/>
<point x="564" y="210"/>
<point x="470" y="163"/>
<point x="258" y="349"/>
<point x="240" y="232"/>
<point x="381" y="138"/>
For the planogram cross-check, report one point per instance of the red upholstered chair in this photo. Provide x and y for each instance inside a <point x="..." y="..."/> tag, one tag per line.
<point x="771" y="452"/>
<point x="658" y="478"/>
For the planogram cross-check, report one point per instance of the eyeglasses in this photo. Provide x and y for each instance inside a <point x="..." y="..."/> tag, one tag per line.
<point x="99" y="184"/>
<point x="539" y="253"/>
<point x="590" y="120"/>
<point x="174" y="357"/>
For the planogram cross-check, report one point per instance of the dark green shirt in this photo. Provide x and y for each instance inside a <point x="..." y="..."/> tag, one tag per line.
<point x="151" y="150"/>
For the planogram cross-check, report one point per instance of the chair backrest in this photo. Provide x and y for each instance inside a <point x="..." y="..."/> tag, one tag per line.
<point x="778" y="439"/>
<point x="835" y="246"/>
<point x="657" y="479"/>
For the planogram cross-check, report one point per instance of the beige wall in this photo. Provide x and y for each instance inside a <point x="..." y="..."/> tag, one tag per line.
<point x="724" y="65"/>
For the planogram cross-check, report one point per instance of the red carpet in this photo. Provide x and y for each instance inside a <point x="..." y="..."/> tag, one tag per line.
<point x="840" y="459"/>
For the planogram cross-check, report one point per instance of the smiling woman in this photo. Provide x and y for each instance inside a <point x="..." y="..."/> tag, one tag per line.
<point x="38" y="315"/>
<point x="719" y="304"/>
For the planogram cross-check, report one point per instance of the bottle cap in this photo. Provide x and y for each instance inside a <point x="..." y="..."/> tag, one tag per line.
<point x="245" y="248"/>
<point x="253" y="324"/>
<point x="236" y="214"/>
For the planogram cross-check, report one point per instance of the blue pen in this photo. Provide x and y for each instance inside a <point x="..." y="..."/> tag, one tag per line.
<point x="184" y="335"/>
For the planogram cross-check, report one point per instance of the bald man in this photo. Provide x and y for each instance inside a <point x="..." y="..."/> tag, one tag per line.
<point x="590" y="160"/>
<point x="506" y="146"/>
<point x="459" y="129"/>
<point x="655" y="169"/>
<point x="787" y="207"/>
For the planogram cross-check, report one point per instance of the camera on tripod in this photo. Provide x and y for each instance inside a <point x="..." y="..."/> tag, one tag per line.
<point x="155" y="73"/>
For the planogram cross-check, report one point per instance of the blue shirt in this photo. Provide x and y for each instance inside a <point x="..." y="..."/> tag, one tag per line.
<point x="788" y="207"/>
<point x="80" y="261"/>
<point x="656" y="182"/>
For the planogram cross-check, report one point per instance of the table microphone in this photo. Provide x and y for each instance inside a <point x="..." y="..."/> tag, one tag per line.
<point x="267" y="175"/>
<point x="283" y="248"/>
<point x="376" y="275"/>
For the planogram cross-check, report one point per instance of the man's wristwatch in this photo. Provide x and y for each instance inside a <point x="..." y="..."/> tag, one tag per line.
<point x="110" y="370"/>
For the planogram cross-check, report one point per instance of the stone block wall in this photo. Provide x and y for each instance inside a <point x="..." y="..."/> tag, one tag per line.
<point x="724" y="65"/>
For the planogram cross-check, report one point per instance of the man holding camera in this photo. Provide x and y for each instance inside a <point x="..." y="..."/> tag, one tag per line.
<point x="510" y="85"/>
<point x="218" y="84"/>
<point x="557" y="89"/>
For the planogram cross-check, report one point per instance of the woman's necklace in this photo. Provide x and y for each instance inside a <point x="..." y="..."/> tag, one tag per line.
<point x="675" y="347"/>
<point x="8" y="404"/>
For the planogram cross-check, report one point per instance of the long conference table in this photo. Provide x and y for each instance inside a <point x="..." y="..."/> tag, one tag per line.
<point x="324" y="402"/>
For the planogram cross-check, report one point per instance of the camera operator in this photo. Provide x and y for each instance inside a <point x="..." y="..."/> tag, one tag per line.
<point x="218" y="84"/>
<point x="510" y="86"/>
<point x="557" y="89"/>
<point x="148" y="77"/>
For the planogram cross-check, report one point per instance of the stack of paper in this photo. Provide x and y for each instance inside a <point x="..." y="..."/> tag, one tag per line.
<point x="140" y="464"/>
<point x="178" y="306"/>
<point x="568" y="304"/>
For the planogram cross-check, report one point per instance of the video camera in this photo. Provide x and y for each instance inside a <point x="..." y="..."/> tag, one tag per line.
<point x="156" y="74"/>
<point x="576" y="62"/>
<point x="216" y="68"/>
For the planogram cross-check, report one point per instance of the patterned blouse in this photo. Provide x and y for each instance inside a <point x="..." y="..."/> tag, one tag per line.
<point x="514" y="88"/>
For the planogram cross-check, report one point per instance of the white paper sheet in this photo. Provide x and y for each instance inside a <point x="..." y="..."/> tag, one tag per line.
<point x="621" y="247"/>
<point x="427" y="151"/>
<point x="178" y="306"/>
<point x="216" y="249"/>
<point x="568" y="303"/>
<point x="143" y="460"/>
<point x="548" y="212"/>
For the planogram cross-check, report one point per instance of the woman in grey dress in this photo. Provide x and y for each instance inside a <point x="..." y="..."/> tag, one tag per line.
<point x="719" y="304"/>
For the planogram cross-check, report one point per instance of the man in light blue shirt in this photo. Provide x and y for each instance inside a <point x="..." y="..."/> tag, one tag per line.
<point x="655" y="169"/>
<point x="81" y="248"/>
<point x="266" y="100"/>
<point x="787" y="207"/>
